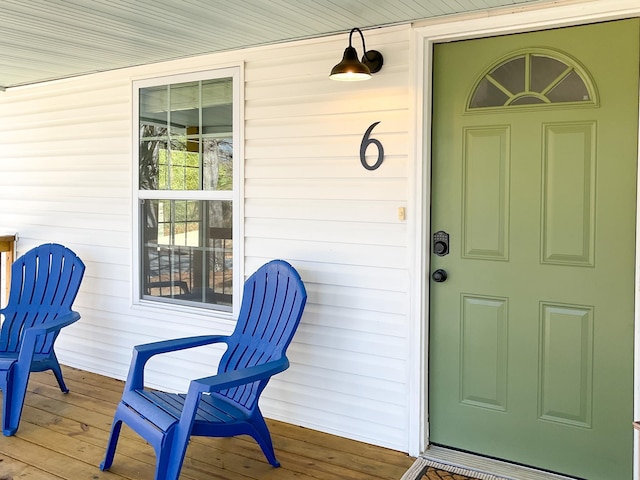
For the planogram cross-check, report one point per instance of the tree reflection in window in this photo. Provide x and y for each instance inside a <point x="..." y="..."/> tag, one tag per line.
<point x="529" y="78"/>
<point x="186" y="190"/>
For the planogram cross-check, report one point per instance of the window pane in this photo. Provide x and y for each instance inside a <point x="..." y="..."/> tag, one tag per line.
<point x="187" y="251"/>
<point x="570" y="89"/>
<point x="531" y="79"/>
<point x="545" y="70"/>
<point x="185" y="107"/>
<point x="217" y="111"/>
<point x="488" y="95"/>
<point x="217" y="143"/>
<point x="528" y="100"/>
<point x="217" y="158"/>
<point x="186" y="136"/>
<point x="154" y="103"/>
<point x="511" y="75"/>
<point x="150" y="161"/>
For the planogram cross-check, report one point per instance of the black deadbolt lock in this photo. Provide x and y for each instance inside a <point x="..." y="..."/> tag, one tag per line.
<point x="441" y="243"/>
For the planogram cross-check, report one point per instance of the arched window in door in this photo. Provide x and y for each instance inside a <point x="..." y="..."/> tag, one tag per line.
<point x="539" y="77"/>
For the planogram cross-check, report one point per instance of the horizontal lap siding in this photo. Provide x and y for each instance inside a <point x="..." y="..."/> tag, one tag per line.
<point x="65" y="176"/>
<point x="309" y="200"/>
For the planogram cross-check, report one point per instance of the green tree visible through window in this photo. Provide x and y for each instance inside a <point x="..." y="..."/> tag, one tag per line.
<point x="186" y="148"/>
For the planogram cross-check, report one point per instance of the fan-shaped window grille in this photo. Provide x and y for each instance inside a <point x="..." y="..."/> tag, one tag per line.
<point x="533" y="78"/>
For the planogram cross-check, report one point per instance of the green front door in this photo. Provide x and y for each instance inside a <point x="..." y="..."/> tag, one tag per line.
<point x="534" y="180"/>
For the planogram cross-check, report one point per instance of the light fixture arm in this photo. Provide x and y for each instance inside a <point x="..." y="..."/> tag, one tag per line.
<point x="361" y="36"/>
<point x="371" y="58"/>
<point x="364" y="49"/>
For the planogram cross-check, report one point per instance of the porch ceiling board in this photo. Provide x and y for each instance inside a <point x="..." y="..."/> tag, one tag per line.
<point x="42" y="40"/>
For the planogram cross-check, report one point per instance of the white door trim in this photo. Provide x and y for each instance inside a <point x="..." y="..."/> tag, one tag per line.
<point x="424" y="36"/>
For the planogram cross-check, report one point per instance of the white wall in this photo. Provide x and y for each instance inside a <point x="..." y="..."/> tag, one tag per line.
<point x="65" y="176"/>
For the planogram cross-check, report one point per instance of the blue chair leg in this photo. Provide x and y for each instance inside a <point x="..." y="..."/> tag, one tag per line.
<point x="263" y="437"/>
<point x="173" y="452"/>
<point x="111" y="446"/>
<point x="6" y="408"/>
<point x="16" y="390"/>
<point x="58" y="374"/>
<point x="166" y="468"/>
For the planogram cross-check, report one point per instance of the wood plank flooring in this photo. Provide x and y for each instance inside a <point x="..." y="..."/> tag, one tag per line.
<point x="64" y="437"/>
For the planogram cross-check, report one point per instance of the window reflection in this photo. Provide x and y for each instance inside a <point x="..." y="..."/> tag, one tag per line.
<point x="186" y="136"/>
<point x="186" y="191"/>
<point x="187" y="251"/>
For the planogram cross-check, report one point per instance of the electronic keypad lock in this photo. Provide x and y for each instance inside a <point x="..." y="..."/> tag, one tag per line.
<point x="441" y="243"/>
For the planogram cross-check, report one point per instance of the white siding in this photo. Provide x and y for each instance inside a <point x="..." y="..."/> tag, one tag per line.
<point x="65" y="176"/>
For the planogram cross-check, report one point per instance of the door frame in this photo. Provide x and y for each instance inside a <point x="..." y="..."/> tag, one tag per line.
<point x="425" y="34"/>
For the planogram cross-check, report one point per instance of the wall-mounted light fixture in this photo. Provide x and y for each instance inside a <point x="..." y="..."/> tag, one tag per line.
<point x="352" y="69"/>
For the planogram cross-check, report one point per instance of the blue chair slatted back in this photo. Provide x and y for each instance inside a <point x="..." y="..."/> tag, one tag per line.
<point x="272" y="304"/>
<point x="44" y="284"/>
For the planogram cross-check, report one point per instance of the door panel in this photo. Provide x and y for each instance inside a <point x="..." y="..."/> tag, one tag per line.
<point x="484" y="353"/>
<point x="485" y="191"/>
<point x="568" y="193"/>
<point x="533" y="176"/>
<point x="566" y="364"/>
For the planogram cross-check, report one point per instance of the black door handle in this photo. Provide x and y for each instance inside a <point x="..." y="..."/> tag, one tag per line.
<point x="439" y="275"/>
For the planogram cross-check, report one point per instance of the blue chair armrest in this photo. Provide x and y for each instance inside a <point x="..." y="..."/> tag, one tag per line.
<point x="32" y="334"/>
<point x="221" y="382"/>
<point x="57" y="324"/>
<point x="142" y="354"/>
<point x="60" y="322"/>
<point x="235" y="378"/>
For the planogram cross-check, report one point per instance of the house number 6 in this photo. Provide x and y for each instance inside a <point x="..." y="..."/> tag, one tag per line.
<point x="366" y="141"/>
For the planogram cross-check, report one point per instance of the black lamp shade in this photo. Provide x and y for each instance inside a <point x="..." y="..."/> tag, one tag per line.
<point x="350" y="68"/>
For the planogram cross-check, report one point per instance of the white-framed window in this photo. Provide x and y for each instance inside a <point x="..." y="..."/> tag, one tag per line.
<point x="186" y="189"/>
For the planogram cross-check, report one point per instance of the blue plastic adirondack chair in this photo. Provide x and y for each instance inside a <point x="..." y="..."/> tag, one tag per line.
<point x="44" y="284"/>
<point x="225" y="404"/>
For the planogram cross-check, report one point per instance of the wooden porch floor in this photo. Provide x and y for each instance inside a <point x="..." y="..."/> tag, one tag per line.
<point x="64" y="437"/>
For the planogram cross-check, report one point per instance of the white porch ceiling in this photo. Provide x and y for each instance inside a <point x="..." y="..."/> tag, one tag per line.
<point x="43" y="40"/>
